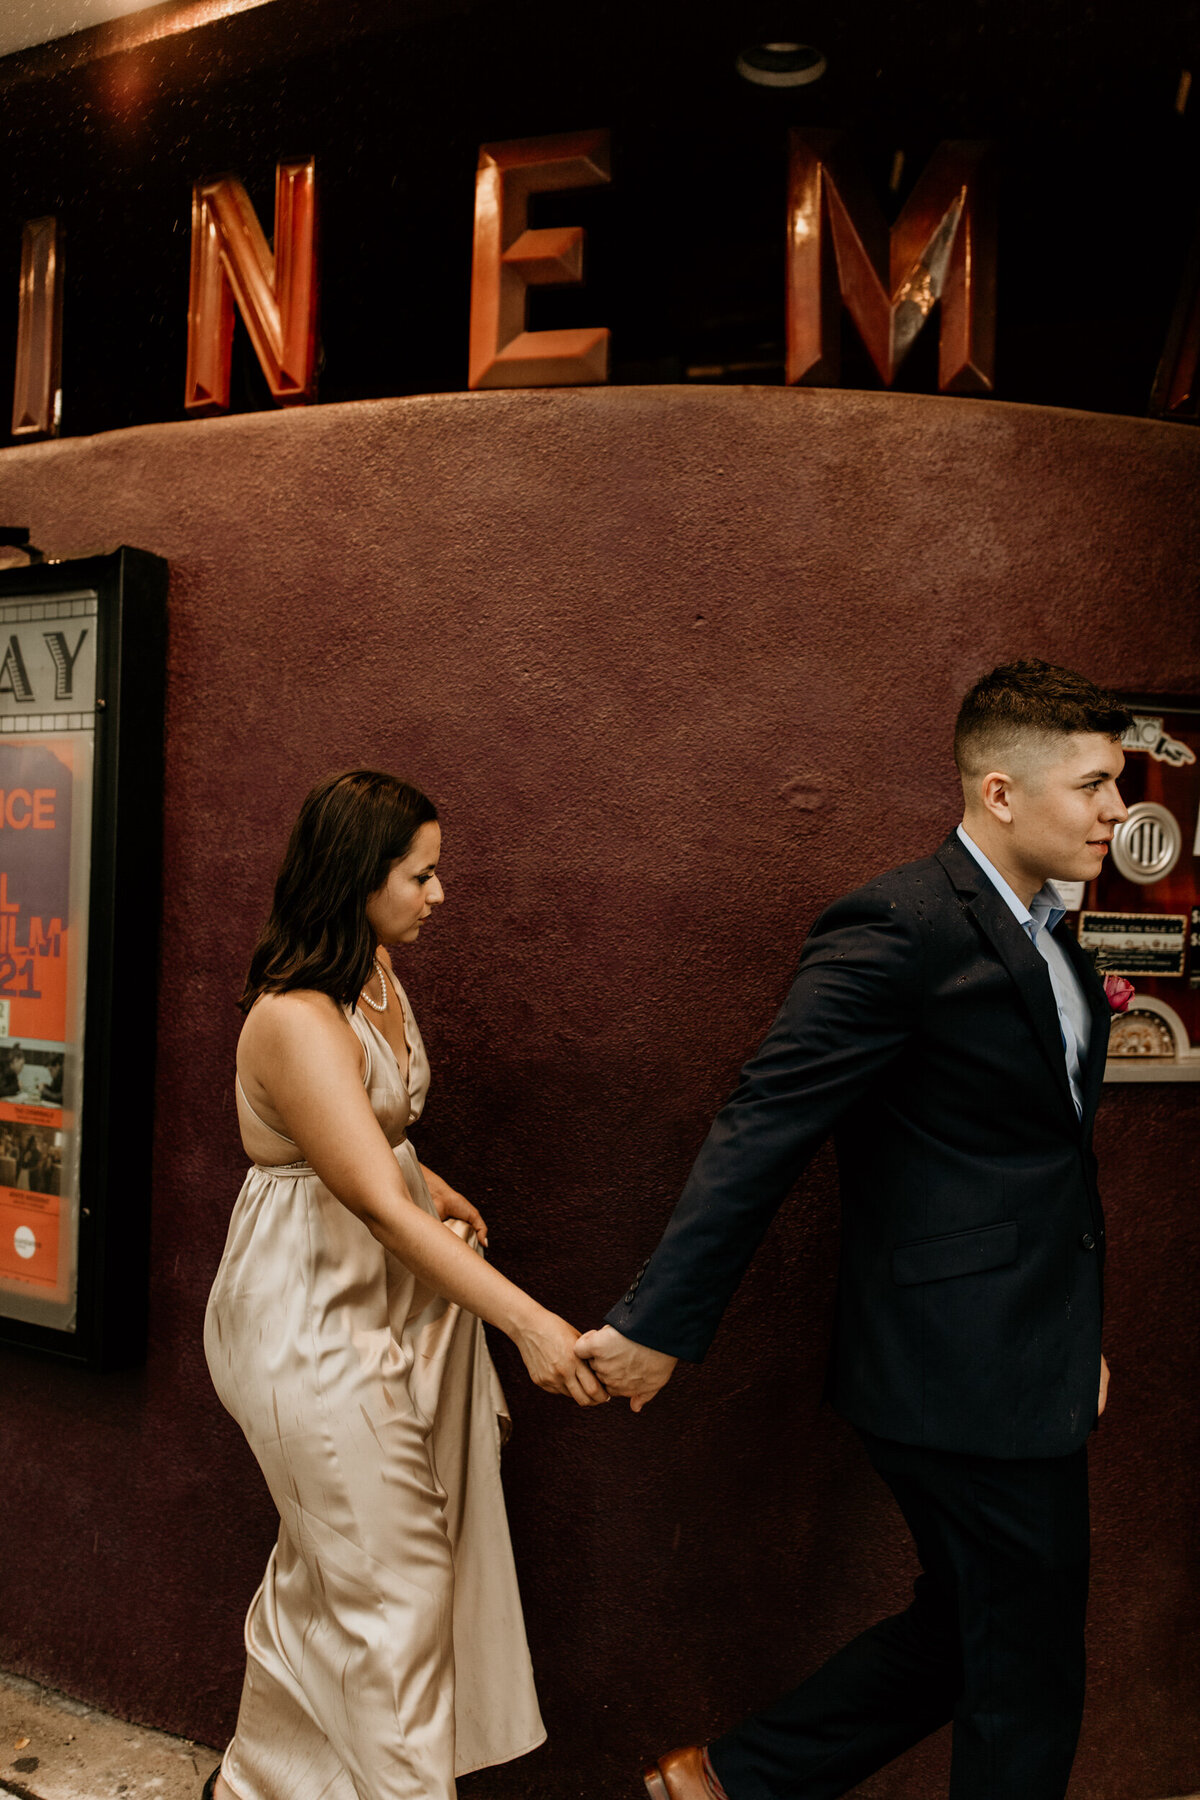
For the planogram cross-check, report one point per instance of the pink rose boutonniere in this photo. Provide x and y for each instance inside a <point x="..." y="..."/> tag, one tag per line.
<point x="1118" y="992"/>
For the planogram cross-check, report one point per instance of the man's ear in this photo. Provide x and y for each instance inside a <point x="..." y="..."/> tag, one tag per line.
<point x="995" y="790"/>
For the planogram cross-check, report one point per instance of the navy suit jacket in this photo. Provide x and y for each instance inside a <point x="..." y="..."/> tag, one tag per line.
<point x="922" y="1031"/>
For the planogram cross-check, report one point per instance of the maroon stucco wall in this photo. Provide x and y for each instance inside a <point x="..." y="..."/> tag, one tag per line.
<point x="678" y="665"/>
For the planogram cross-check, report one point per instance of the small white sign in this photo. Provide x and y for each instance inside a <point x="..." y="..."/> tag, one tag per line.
<point x="1146" y="733"/>
<point x="1135" y="943"/>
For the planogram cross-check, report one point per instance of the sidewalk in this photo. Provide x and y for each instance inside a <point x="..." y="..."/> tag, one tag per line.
<point x="52" y="1748"/>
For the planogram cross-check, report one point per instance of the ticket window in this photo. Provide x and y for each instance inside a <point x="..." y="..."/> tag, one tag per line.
<point x="1141" y="916"/>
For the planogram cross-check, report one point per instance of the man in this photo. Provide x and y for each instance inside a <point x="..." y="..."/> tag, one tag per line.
<point x="951" y="1034"/>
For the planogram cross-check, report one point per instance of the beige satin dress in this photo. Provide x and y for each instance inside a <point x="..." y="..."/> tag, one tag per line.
<point x="385" y="1649"/>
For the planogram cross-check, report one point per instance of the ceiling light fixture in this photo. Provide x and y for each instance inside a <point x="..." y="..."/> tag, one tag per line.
<point x="780" y="65"/>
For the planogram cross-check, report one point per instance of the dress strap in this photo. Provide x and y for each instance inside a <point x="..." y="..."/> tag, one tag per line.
<point x="255" y="1114"/>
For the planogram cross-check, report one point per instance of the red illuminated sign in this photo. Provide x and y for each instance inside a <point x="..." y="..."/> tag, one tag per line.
<point x="940" y="253"/>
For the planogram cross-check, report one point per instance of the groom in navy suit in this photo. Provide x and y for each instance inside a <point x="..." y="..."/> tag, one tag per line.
<point x="946" y="1029"/>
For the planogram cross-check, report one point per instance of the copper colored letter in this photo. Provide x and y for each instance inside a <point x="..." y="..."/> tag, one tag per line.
<point x="276" y="295"/>
<point x="37" y="390"/>
<point x="1176" y="393"/>
<point x="509" y="258"/>
<point x="942" y="247"/>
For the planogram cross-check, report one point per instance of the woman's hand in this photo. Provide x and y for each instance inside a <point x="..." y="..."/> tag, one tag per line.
<point x="314" y="1061"/>
<point x="453" y="1205"/>
<point x="547" y="1346"/>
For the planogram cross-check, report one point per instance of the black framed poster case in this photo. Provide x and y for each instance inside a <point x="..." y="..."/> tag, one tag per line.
<point x="89" y="1242"/>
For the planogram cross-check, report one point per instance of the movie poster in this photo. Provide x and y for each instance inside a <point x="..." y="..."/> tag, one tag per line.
<point x="47" y="685"/>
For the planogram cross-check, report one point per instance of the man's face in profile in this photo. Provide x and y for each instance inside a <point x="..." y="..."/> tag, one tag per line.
<point x="1065" y="804"/>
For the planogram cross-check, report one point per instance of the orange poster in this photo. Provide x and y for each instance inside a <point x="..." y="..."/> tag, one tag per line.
<point x="36" y="781"/>
<point x="29" y="1238"/>
<point x="40" y="915"/>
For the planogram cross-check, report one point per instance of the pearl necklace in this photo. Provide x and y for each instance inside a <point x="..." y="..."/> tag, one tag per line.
<point x="381" y="1004"/>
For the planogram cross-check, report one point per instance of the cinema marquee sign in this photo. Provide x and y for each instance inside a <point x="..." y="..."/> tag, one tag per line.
<point x="841" y="257"/>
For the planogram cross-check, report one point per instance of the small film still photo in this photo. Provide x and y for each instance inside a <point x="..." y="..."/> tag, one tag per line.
<point x="31" y="1072"/>
<point x="31" y="1157"/>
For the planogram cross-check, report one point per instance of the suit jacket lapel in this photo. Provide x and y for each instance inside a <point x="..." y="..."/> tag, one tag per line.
<point x="1101" y="1012"/>
<point x="1023" y="962"/>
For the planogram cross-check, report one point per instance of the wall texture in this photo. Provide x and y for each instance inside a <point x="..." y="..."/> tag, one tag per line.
<point x="678" y="665"/>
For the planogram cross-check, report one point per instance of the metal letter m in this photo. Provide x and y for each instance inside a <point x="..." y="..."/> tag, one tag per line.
<point x="941" y="248"/>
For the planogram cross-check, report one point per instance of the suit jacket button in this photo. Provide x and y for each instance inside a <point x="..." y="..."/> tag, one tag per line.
<point x="1087" y="1241"/>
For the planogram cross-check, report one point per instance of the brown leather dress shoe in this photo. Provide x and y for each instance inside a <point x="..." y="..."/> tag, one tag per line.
<point x="683" y="1775"/>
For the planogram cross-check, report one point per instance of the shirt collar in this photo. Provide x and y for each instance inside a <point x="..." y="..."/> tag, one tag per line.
<point x="1044" y="911"/>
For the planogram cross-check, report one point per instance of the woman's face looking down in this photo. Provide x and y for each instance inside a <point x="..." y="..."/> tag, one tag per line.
<point x="397" y="910"/>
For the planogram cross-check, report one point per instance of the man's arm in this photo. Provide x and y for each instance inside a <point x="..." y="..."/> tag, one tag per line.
<point x="851" y="1008"/>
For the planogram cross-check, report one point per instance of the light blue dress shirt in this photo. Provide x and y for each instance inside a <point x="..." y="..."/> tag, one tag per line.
<point x="1038" y="920"/>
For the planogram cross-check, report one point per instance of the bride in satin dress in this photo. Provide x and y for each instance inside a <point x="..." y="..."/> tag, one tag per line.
<point x="385" y="1648"/>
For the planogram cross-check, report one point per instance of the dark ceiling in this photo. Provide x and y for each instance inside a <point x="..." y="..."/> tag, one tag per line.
<point x="1099" y="169"/>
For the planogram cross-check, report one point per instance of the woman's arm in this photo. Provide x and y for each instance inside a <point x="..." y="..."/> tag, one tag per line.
<point x="299" y="1049"/>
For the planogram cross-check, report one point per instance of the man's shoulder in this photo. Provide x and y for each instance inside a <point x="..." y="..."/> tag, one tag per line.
<point x="913" y="888"/>
<point x="897" y="921"/>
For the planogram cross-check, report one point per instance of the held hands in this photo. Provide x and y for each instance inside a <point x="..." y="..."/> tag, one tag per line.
<point x="556" y="1358"/>
<point x="547" y="1346"/>
<point x="632" y="1370"/>
<point x="546" y="1342"/>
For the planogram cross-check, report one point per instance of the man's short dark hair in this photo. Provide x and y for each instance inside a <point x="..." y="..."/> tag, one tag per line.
<point x="1029" y="698"/>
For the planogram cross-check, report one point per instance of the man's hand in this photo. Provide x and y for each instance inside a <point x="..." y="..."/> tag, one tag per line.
<point x="632" y="1370"/>
<point x="1103" y="1387"/>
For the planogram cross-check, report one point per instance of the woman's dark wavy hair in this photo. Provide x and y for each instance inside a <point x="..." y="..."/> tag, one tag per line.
<point x="351" y="829"/>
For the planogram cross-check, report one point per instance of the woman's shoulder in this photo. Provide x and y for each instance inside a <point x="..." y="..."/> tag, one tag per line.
<point x="281" y="1020"/>
<point x="291" y="1001"/>
<point x="291" y="1029"/>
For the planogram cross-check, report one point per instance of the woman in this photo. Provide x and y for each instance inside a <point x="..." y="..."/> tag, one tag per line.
<point x="385" y="1648"/>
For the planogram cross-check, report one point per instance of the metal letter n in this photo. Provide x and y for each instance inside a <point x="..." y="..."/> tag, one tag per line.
<point x="275" y="294"/>
<point x="510" y="258"/>
<point x="941" y="248"/>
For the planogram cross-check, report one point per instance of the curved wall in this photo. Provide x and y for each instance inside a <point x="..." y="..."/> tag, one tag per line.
<point x="678" y="665"/>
